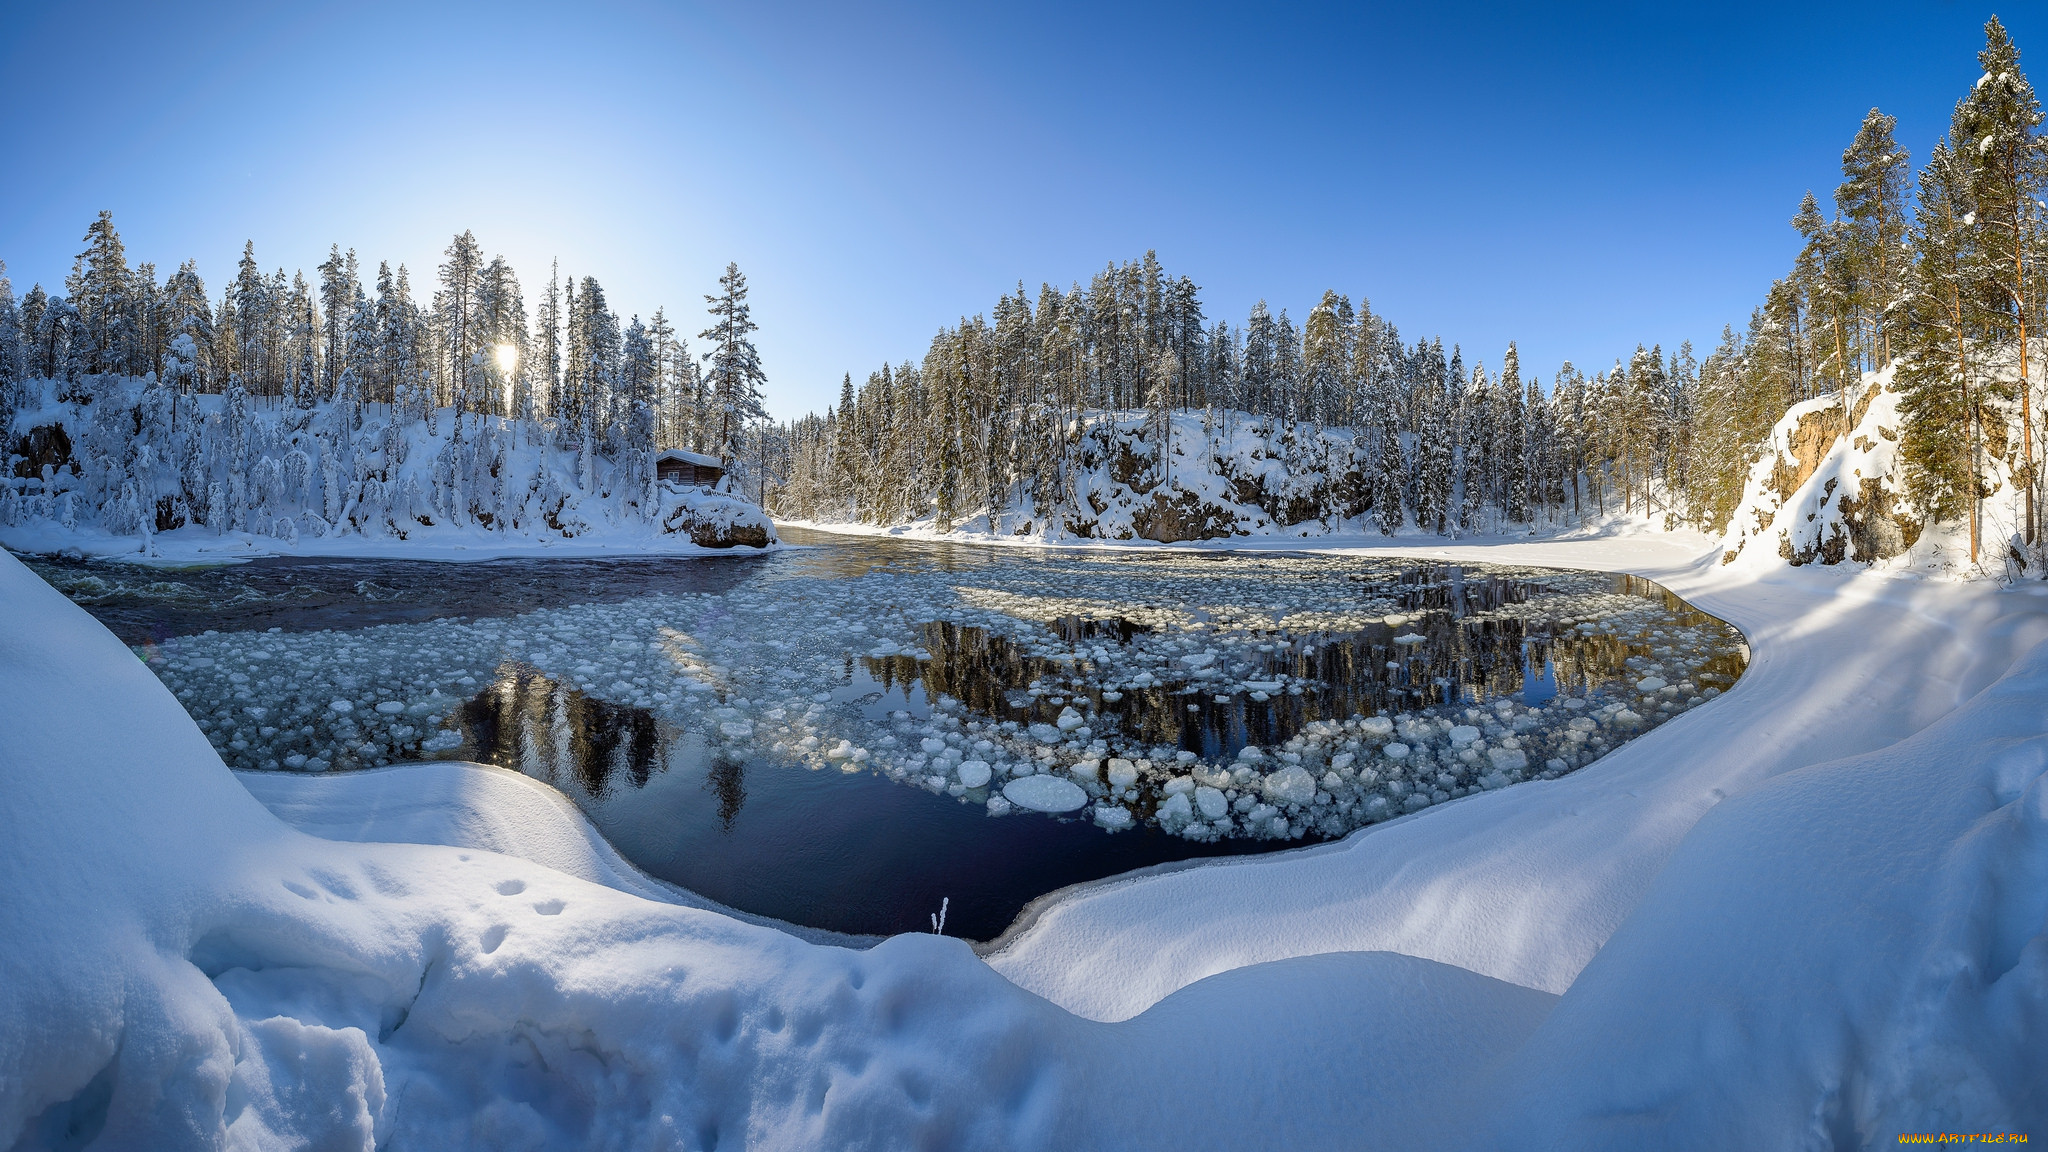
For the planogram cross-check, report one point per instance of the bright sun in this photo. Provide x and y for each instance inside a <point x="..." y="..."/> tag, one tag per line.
<point x="508" y="357"/>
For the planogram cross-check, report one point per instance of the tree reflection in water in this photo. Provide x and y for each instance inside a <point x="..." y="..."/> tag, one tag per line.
<point x="529" y="721"/>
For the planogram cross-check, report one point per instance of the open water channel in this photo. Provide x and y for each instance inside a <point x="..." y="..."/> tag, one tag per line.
<point x="846" y="733"/>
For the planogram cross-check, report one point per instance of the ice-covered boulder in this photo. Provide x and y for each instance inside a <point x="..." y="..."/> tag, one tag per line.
<point x="715" y="519"/>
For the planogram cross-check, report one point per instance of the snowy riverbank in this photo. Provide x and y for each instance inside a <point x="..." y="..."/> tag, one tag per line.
<point x="1844" y="861"/>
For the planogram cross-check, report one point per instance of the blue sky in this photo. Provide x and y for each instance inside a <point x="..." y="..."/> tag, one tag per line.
<point x="1575" y="181"/>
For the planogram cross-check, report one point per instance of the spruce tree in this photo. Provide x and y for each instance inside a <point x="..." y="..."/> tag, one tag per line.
<point x="1510" y="441"/>
<point x="13" y="356"/>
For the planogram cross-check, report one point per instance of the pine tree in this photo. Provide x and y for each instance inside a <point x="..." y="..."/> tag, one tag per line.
<point x="1942" y="409"/>
<point x="99" y="289"/>
<point x="457" y="308"/>
<point x="1872" y="202"/>
<point x="735" y="375"/>
<point x="338" y="289"/>
<point x="1994" y="134"/>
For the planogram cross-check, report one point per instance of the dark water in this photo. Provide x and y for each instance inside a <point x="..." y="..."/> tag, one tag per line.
<point x="143" y="605"/>
<point x="851" y="852"/>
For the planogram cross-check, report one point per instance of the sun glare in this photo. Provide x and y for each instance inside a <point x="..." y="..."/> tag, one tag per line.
<point x="508" y="357"/>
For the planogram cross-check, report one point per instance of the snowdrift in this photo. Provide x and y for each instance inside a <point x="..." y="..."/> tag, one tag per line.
<point x="120" y="464"/>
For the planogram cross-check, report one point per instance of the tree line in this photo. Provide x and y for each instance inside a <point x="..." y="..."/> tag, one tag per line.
<point x="1940" y="281"/>
<point x="993" y="416"/>
<point x="589" y="380"/>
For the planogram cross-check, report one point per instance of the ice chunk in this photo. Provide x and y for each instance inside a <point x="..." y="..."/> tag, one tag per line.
<point x="975" y="773"/>
<point x="1508" y="759"/>
<point x="1176" y="810"/>
<point x="1650" y="683"/>
<point x="1122" y="773"/>
<point x="1199" y="659"/>
<point x="1379" y="726"/>
<point x="1290" y="785"/>
<point x="1068" y="720"/>
<point x="342" y="706"/>
<point x="1114" y="817"/>
<point x="390" y="707"/>
<point x="1045" y="794"/>
<point x="1463" y="734"/>
<point x="1211" y="802"/>
<point x="1397" y="751"/>
<point x="1086" y="770"/>
<point x="1410" y="638"/>
<point x="1179" y="785"/>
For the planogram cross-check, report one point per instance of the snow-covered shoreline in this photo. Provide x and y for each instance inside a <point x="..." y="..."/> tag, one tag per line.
<point x="1844" y="861"/>
<point x="197" y="548"/>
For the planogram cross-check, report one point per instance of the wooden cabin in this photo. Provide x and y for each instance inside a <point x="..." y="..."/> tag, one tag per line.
<point x="689" y="469"/>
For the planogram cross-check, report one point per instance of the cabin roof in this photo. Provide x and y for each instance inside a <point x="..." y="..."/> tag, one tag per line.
<point x="687" y="457"/>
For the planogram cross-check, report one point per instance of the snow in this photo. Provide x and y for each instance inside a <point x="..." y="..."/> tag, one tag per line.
<point x="213" y="478"/>
<point x="1842" y="862"/>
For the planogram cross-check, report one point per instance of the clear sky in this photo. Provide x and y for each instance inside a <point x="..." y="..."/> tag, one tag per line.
<point x="1577" y="181"/>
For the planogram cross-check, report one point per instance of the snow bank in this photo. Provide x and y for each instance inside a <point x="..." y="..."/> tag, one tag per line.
<point x="238" y="983"/>
<point x="1857" y="925"/>
<point x="1870" y="935"/>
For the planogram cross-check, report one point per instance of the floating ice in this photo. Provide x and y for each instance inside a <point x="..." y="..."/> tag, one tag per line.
<point x="1290" y="785"/>
<point x="1127" y="667"/>
<point x="1045" y="794"/>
